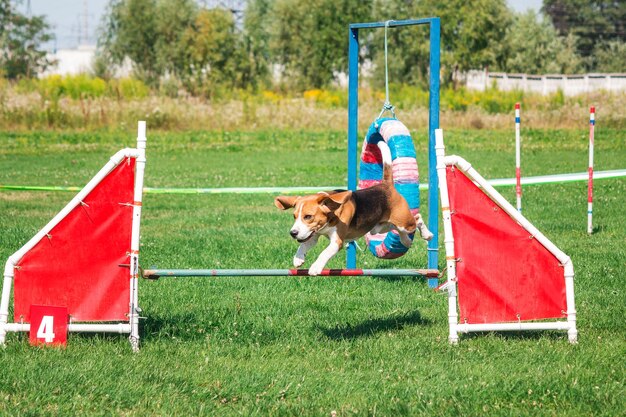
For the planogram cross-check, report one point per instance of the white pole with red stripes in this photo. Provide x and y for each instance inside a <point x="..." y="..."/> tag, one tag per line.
<point x="518" y="179"/>
<point x="592" y="124"/>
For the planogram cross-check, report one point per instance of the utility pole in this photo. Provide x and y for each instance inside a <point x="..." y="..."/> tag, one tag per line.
<point x="83" y="25"/>
<point x="86" y="21"/>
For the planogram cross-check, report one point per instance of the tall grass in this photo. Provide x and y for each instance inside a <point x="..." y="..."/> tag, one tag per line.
<point x="86" y="103"/>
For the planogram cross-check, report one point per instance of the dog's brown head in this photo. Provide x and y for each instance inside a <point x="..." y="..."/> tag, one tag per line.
<point x="312" y="212"/>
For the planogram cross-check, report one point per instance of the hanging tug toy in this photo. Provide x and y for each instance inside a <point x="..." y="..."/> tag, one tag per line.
<point x="405" y="172"/>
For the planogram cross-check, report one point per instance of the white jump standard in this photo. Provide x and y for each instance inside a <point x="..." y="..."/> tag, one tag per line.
<point x="518" y="170"/>
<point x="51" y="269"/>
<point x="498" y="284"/>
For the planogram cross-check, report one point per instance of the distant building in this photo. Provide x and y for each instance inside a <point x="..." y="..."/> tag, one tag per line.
<point x="80" y="61"/>
<point x="71" y="61"/>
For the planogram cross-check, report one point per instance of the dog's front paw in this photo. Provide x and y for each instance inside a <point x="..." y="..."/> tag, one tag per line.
<point x="316" y="269"/>
<point x="297" y="262"/>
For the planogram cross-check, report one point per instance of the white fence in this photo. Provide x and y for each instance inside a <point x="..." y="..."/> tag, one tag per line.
<point x="571" y="85"/>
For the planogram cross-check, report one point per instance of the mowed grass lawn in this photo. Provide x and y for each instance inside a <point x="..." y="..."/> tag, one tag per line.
<point x="311" y="346"/>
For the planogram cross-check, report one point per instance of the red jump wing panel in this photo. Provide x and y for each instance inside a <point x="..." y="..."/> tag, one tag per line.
<point x="79" y="265"/>
<point x="503" y="273"/>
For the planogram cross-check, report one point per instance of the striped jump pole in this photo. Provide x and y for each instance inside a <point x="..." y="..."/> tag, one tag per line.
<point x="518" y="174"/>
<point x="158" y="273"/>
<point x="592" y="124"/>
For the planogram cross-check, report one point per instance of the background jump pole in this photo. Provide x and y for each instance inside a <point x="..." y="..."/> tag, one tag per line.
<point x="518" y="171"/>
<point x="592" y="124"/>
<point x="433" y="124"/>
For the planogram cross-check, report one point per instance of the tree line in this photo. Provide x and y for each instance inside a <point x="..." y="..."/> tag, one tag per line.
<point x="298" y="44"/>
<point x="21" y="38"/>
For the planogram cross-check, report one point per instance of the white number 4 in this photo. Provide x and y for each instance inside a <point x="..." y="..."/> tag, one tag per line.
<point x="46" y="329"/>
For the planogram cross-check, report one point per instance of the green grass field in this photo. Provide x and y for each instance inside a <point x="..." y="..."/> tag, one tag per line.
<point x="310" y="346"/>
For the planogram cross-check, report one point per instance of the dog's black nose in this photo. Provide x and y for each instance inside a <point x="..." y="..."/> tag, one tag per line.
<point x="293" y="233"/>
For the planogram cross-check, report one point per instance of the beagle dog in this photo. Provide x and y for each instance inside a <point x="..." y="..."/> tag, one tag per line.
<point x="345" y="216"/>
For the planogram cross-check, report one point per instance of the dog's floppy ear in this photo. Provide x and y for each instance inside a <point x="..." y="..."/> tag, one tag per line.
<point x="285" y="202"/>
<point x="333" y="201"/>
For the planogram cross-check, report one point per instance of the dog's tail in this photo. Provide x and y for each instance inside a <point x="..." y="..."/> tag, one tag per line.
<point x="387" y="161"/>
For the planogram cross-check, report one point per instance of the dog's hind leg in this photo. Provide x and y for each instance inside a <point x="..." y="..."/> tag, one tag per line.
<point x="404" y="236"/>
<point x="421" y="226"/>
<point x="404" y="223"/>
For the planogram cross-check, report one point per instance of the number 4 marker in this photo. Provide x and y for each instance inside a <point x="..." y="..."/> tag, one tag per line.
<point x="48" y="325"/>
<point x="46" y="329"/>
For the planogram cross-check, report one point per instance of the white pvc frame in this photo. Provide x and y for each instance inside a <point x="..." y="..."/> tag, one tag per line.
<point x="450" y="285"/>
<point x="132" y="327"/>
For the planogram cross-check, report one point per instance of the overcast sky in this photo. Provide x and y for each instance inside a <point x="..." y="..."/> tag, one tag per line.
<point x="67" y="17"/>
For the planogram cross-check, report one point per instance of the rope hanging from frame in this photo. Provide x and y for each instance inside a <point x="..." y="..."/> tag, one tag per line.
<point x="387" y="106"/>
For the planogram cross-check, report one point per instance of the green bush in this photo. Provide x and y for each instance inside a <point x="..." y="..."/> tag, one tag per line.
<point x="25" y="85"/>
<point x="458" y="100"/>
<point x="50" y="88"/>
<point x="169" y="87"/>
<point x="127" y="88"/>
<point x="406" y="96"/>
<point x="495" y="101"/>
<point x="557" y="100"/>
<point x="83" y="86"/>
<point x="461" y="99"/>
<point x="4" y="87"/>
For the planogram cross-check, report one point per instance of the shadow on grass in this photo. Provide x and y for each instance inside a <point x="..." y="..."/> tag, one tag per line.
<point x="187" y="327"/>
<point x="392" y="278"/>
<point x="373" y="326"/>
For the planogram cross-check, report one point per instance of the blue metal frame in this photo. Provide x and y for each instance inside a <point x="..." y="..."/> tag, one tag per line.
<point x="433" y="123"/>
